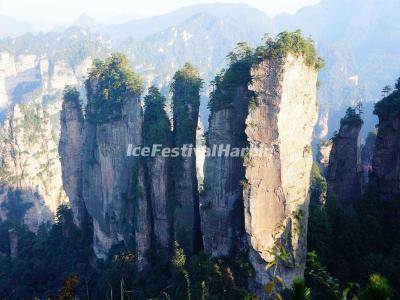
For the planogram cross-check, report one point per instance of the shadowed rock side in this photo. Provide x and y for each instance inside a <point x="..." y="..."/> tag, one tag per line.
<point x="157" y="131"/>
<point x="386" y="161"/>
<point x="277" y="184"/>
<point x="186" y="101"/>
<point x="70" y="150"/>
<point x="29" y="164"/>
<point x="324" y="151"/>
<point x="222" y="201"/>
<point x="113" y="187"/>
<point x="344" y="170"/>
<point x="367" y="154"/>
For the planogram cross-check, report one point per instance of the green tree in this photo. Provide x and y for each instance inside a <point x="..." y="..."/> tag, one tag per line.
<point x="377" y="289"/>
<point x="156" y="125"/>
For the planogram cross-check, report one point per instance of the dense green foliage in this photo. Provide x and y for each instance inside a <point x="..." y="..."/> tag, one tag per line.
<point x="357" y="241"/>
<point x="185" y="88"/>
<point x="71" y="95"/>
<point x="389" y="106"/>
<point x="156" y="125"/>
<point x="292" y="43"/>
<point x="352" y="116"/>
<point x="44" y="260"/>
<point x="236" y="76"/>
<point x="108" y="86"/>
<point x="60" y="262"/>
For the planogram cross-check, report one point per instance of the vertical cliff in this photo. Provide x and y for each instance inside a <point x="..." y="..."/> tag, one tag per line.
<point x="30" y="170"/>
<point x="70" y="150"/>
<point x="344" y="170"/>
<point x="186" y="87"/>
<point x="265" y="102"/>
<point x="30" y="102"/>
<point x="277" y="183"/>
<point x="221" y="207"/>
<point x="112" y="184"/>
<point x="324" y="151"/>
<point x="367" y="155"/>
<point x="157" y="133"/>
<point x="386" y="161"/>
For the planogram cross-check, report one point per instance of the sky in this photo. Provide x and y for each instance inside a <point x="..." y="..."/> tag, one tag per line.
<point x="45" y="14"/>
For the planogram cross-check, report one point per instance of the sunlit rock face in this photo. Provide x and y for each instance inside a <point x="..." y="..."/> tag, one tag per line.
<point x="276" y="192"/>
<point x="260" y="200"/>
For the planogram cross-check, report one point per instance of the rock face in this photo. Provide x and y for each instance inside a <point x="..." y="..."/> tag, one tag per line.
<point x="200" y="153"/>
<point x="222" y="203"/>
<point x="112" y="183"/>
<point x="30" y="166"/>
<point x="13" y="238"/>
<point x="157" y="133"/>
<point x="158" y="176"/>
<point x="258" y="202"/>
<point x="277" y="182"/>
<point x="386" y="161"/>
<point x="30" y="102"/>
<point x="367" y="154"/>
<point x="324" y="151"/>
<point x="70" y="150"/>
<point x="344" y="171"/>
<point x="186" y="102"/>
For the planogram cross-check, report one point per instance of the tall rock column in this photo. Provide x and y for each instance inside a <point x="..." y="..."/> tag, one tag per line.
<point x="186" y="87"/>
<point x="367" y="155"/>
<point x="221" y="209"/>
<point x="70" y="149"/>
<point x="279" y="126"/>
<point x="157" y="133"/>
<point x="386" y="161"/>
<point x="344" y="170"/>
<point x="113" y="187"/>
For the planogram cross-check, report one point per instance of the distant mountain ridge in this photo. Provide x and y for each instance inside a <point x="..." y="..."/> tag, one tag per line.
<point x="141" y="28"/>
<point x="10" y="27"/>
<point x="357" y="39"/>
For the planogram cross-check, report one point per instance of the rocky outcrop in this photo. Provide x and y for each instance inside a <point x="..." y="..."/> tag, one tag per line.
<point x="200" y="154"/>
<point x="157" y="133"/>
<point x="30" y="102"/>
<point x="30" y="163"/>
<point x="386" y="162"/>
<point x="324" y="151"/>
<point x="276" y="197"/>
<point x="113" y="183"/>
<point x="221" y="207"/>
<point x="367" y="154"/>
<point x="186" y="102"/>
<point x="70" y="150"/>
<point x="344" y="171"/>
<point x="13" y="239"/>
